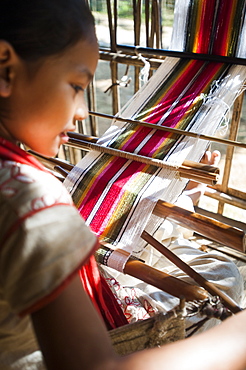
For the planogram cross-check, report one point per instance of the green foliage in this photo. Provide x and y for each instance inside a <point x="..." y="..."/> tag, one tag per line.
<point x="125" y="9"/>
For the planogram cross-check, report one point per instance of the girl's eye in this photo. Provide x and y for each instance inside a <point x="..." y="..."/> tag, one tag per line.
<point x="77" y="88"/>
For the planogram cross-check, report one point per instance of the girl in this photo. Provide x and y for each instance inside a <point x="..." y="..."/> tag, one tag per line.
<point x="48" y="54"/>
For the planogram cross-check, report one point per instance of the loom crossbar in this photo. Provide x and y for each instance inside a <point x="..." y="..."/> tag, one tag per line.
<point x="208" y="227"/>
<point x="186" y="163"/>
<point x="196" y="174"/>
<point x="182" y="54"/>
<point x="161" y="280"/>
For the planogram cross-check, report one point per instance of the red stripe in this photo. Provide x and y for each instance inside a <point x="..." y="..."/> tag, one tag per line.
<point x="174" y="92"/>
<point x="220" y="46"/>
<point x="112" y="194"/>
<point x="162" y="106"/>
<point x="205" y="26"/>
<point x="180" y="110"/>
<point x="98" y="185"/>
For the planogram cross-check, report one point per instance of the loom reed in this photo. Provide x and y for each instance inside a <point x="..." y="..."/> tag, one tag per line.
<point x="186" y="163"/>
<point x="196" y="174"/>
<point x="201" y="170"/>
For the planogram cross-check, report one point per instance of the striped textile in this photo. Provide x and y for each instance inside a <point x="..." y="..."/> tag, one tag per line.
<point x="116" y="196"/>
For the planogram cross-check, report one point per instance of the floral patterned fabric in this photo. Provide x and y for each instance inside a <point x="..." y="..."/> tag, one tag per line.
<point x="40" y="250"/>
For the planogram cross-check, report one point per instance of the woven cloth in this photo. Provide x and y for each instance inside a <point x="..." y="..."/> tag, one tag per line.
<point x="116" y="196"/>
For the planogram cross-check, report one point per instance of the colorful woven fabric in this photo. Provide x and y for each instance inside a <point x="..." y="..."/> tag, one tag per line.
<point x="116" y="196"/>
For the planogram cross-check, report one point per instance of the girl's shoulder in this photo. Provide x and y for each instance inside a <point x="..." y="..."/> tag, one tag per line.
<point x="29" y="188"/>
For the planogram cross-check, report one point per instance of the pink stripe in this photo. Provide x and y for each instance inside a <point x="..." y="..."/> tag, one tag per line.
<point x="174" y="92"/>
<point x="163" y="105"/>
<point x="113" y="193"/>
<point x="175" y="117"/>
<point x="116" y="202"/>
<point x="99" y="184"/>
<point x="205" y="26"/>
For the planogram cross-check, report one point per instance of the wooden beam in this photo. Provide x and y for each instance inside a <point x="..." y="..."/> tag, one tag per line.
<point x="208" y="227"/>
<point x="174" y="286"/>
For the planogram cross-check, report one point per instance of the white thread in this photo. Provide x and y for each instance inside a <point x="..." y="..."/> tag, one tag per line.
<point x="118" y="52"/>
<point x="144" y="73"/>
<point x="212" y="99"/>
<point x="125" y="80"/>
<point x="118" y="259"/>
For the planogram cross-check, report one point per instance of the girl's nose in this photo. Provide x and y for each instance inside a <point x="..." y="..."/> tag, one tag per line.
<point x="81" y="113"/>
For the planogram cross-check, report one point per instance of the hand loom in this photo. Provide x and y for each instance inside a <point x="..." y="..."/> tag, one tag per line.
<point x="160" y="132"/>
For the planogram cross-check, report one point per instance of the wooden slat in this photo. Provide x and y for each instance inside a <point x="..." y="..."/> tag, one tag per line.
<point x="176" y="287"/>
<point x="230" y="149"/>
<point x="208" y="227"/>
<point x="225" y="198"/>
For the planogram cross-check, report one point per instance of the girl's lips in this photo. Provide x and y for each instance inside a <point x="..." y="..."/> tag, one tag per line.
<point x="64" y="137"/>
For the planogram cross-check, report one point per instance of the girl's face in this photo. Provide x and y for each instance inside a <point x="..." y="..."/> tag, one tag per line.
<point x="44" y="105"/>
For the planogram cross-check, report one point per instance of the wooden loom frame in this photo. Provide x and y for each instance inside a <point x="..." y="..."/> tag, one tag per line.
<point x="220" y="232"/>
<point x="123" y="54"/>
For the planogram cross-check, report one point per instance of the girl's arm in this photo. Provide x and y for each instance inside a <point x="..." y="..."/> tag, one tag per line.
<point x="71" y="333"/>
<point x="72" y="336"/>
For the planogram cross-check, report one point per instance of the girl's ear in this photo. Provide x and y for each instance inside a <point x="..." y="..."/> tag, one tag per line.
<point x="8" y="60"/>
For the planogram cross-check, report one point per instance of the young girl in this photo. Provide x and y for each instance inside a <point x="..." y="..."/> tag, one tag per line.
<point x="48" y="54"/>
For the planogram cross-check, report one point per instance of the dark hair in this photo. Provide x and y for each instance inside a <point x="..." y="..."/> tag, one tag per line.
<point x="39" y="28"/>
